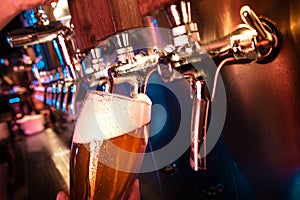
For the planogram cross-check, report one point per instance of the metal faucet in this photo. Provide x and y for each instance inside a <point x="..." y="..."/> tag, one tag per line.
<point x="62" y="38"/>
<point x="257" y="39"/>
<point x="132" y="68"/>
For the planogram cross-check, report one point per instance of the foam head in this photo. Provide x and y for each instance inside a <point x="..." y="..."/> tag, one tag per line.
<point x="104" y="116"/>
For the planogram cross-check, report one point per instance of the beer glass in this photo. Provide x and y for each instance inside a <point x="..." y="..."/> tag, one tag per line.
<point x="109" y="142"/>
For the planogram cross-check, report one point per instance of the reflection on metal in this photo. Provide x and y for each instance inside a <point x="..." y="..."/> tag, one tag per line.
<point x="59" y="38"/>
<point x="295" y="21"/>
<point x="255" y="40"/>
<point x="263" y="99"/>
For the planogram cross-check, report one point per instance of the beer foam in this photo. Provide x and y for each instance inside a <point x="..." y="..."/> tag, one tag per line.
<point x="104" y="116"/>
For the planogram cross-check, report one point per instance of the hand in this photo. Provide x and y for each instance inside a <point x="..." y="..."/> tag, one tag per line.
<point x="134" y="193"/>
<point x="62" y="196"/>
<point x="25" y="5"/>
<point x="11" y="8"/>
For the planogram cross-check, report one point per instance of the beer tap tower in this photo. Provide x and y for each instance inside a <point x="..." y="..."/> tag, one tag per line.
<point x="256" y="40"/>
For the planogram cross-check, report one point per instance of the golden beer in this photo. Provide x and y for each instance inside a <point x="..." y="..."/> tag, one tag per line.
<point x="104" y="164"/>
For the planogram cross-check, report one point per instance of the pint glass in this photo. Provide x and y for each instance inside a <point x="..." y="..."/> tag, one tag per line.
<point x="109" y="142"/>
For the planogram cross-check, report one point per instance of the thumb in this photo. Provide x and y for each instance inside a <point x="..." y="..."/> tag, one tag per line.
<point x="62" y="196"/>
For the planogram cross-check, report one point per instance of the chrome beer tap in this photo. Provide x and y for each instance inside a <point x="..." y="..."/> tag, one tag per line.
<point x="129" y="67"/>
<point x="61" y="37"/>
<point x="255" y="40"/>
<point x="258" y="39"/>
<point x="185" y="54"/>
<point x="136" y="69"/>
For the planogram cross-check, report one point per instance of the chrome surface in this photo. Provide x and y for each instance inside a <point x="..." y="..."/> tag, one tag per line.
<point x="35" y="35"/>
<point x="256" y="40"/>
<point x="248" y="42"/>
<point x="261" y="128"/>
<point x="262" y="121"/>
<point x="56" y="39"/>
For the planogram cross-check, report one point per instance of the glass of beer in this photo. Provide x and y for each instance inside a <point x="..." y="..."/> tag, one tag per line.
<point x="108" y="146"/>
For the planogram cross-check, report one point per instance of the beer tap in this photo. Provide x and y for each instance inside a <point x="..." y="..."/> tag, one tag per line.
<point x="59" y="38"/>
<point x="257" y="39"/>
<point x="187" y="50"/>
<point x="130" y="67"/>
<point x="43" y="31"/>
<point x="136" y="69"/>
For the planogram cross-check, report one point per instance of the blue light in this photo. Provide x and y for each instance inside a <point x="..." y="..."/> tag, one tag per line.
<point x="65" y="73"/>
<point x="8" y="41"/>
<point x="73" y="89"/>
<point x="64" y="89"/>
<point x="2" y="61"/>
<point x="57" y="105"/>
<point x="64" y="107"/>
<point x="83" y="67"/>
<point x="57" y="75"/>
<point x="48" y="102"/>
<point x="58" y="53"/>
<point x="155" y="22"/>
<point x="40" y="64"/>
<point x="14" y="100"/>
<point x="294" y="187"/>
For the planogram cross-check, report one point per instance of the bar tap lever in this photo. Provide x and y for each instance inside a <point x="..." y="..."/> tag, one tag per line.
<point x="244" y="44"/>
<point x="257" y="39"/>
<point x="186" y="42"/>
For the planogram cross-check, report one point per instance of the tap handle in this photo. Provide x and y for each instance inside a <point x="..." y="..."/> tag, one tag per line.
<point x="249" y="17"/>
<point x="124" y="50"/>
<point x="268" y="36"/>
<point x="179" y="14"/>
<point x="180" y="19"/>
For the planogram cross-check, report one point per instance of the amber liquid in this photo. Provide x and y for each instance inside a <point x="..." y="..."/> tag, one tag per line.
<point x="104" y="181"/>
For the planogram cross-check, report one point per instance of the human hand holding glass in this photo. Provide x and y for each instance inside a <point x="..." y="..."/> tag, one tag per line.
<point x="109" y="141"/>
<point x="25" y="5"/>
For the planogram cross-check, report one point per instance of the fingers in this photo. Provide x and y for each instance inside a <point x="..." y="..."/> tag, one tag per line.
<point x="134" y="193"/>
<point x="62" y="196"/>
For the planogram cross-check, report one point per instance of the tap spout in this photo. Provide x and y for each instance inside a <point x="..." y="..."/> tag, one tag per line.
<point x="201" y="104"/>
<point x="199" y="125"/>
<point x="35" y="34"/>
